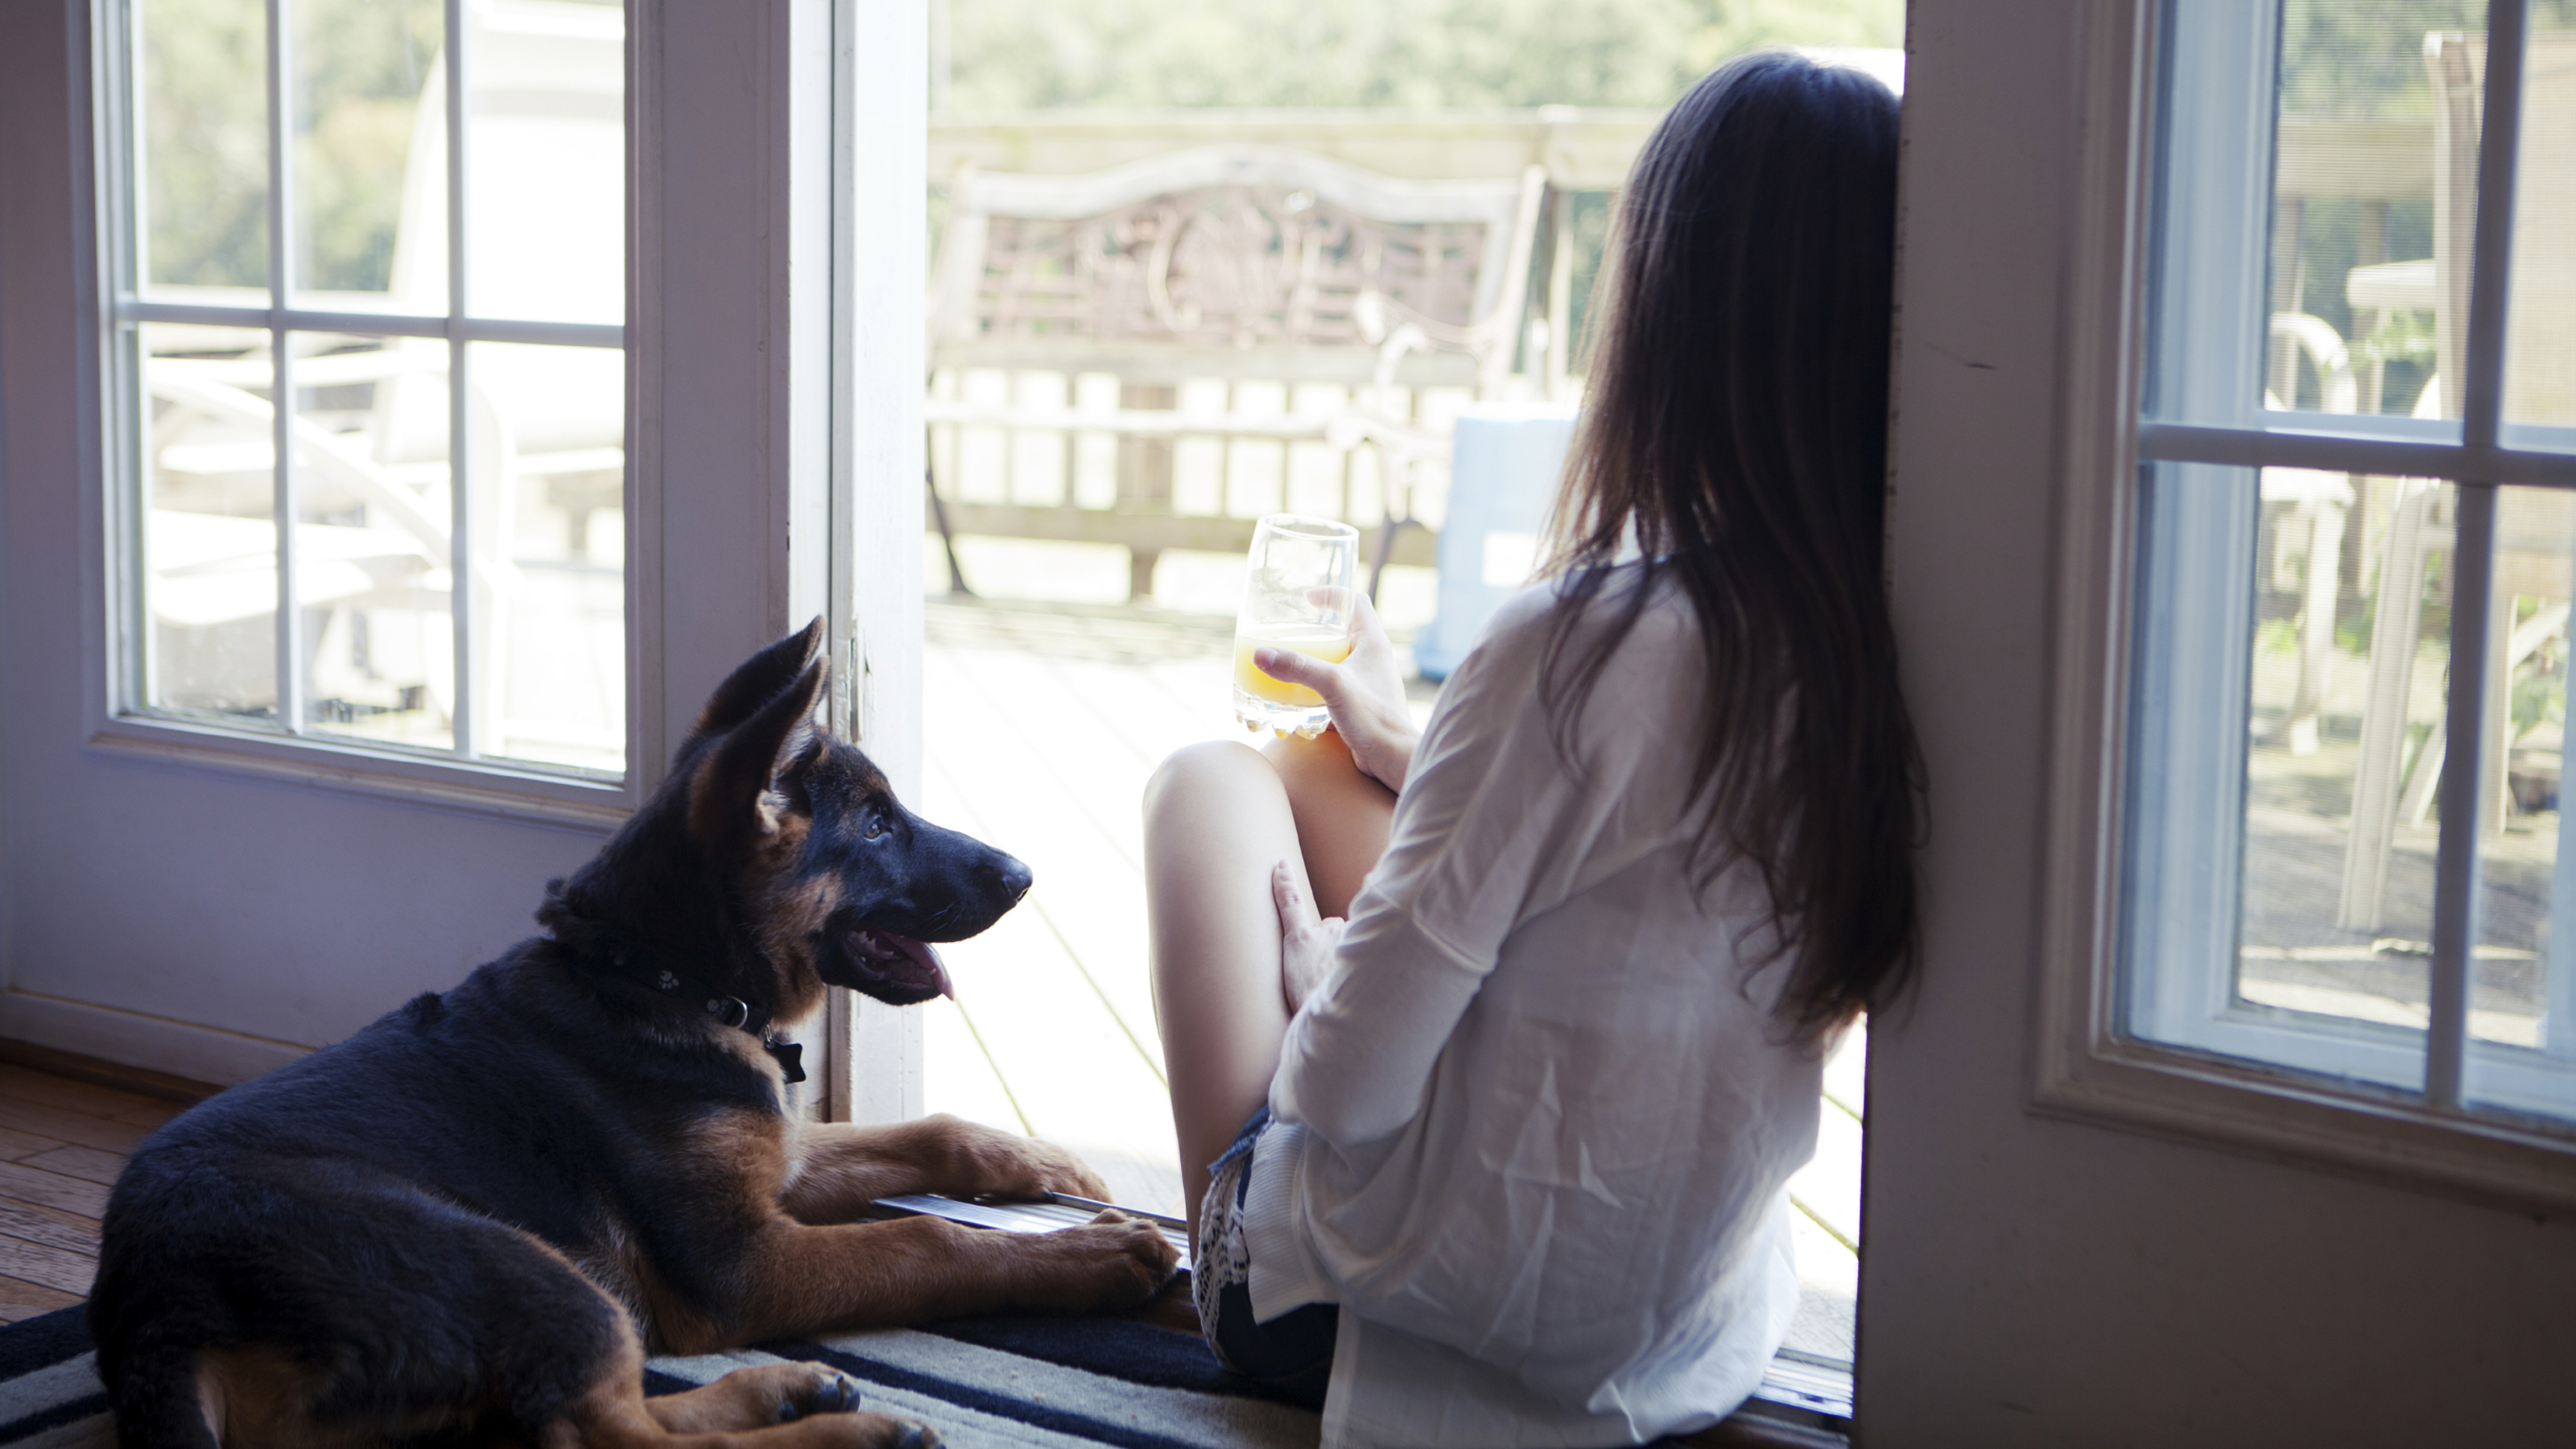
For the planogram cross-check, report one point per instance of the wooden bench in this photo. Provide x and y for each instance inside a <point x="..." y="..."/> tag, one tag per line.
<point x="1088" y="331"/>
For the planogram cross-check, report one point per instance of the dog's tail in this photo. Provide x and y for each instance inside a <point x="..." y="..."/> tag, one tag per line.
<point x="159" y="1403"/>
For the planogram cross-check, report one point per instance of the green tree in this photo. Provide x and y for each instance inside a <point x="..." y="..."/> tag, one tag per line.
<point x="2363" y="60"/>
<point x="1402" y="54"/>
<point x="359" y="67"/>
<point x="202" y="75"/>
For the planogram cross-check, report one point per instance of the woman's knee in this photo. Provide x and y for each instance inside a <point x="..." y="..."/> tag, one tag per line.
<point x="1193" y="773"/>
<point x="1319" y="769"/>
<point x="1324" y="783"/>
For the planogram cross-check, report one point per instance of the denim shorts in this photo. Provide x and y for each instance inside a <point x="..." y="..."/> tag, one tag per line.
<point x="1293" y="1352"/>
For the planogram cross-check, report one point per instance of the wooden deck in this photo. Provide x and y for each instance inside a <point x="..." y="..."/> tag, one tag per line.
<point x="1043" y="723"/>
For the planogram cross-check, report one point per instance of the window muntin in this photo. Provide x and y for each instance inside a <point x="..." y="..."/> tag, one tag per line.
<point x="445" y="305"/>
<point x="2312" y="881"/>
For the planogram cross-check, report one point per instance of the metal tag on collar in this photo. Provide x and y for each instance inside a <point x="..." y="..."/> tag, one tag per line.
<point x="729" y="1010"/>
<point x="791" y="1058"/>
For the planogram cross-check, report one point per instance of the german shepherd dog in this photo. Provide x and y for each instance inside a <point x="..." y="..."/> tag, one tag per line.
<point x="468" y="1223"/>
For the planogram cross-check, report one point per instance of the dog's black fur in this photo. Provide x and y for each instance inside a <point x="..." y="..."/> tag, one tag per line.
<point x="467" y="1219"/>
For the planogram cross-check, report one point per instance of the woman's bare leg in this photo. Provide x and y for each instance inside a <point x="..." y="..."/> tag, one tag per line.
<point x="1217" y="818"/>
<point x="1342" y="815"/>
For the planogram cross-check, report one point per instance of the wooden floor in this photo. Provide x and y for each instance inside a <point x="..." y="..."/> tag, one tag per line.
<point x="62" y="1142"/>
<point x="1043" y="723"/>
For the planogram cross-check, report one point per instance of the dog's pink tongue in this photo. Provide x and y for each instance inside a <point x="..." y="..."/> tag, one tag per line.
<point x="922" y="953"/>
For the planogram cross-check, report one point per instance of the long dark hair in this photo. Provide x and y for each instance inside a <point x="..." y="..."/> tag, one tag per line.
<point x="1736" y="439"/>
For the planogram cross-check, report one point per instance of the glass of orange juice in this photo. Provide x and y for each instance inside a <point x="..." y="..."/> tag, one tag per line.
<point x="1298" y="595"/>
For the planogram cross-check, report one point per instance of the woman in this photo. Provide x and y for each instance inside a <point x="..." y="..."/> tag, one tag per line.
<point x="1504" y="1156"/>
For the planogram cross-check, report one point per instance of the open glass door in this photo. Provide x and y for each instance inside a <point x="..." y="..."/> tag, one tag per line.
<point x="2224" y="1110"/>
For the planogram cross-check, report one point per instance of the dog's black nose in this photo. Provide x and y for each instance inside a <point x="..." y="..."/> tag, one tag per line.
<point x="1011" y="877"/>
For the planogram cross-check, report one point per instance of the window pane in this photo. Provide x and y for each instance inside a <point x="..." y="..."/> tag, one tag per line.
<point x="546" y="162"/>
<point x="549" y="515"/>
<point x="2280" y="901"/>
<point x="2375" y="192"/>
<point x="371" y="571"/>
<point x="2522" y="987"/>
<point x="371" y="417"/>
<point x="209" y="570"/>
<point x="2290" y="691"/>
<point x="370" y="190"/>
<point x="2187" y="781"/>
<point x="2209" y="298"/>
<point x="2540" y="333"/>
<point x="2344" y="749"/>
<point x="201" y="143"/>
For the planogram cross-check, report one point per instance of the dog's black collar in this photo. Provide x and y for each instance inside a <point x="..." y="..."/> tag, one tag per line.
<point x="725" y="1008"/>
<point x="733" y="1011"/>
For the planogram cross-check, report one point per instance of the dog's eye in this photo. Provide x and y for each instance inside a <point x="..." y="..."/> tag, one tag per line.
<point x="875" y="827"/>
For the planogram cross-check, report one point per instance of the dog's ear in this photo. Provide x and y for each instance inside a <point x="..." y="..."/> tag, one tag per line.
<point x="760" y="679"/>
<point x="730" y="799"/>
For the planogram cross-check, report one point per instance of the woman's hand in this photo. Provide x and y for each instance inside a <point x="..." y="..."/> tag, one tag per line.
<point x="1364" y="694"/>
<point x="1307" y="941"/>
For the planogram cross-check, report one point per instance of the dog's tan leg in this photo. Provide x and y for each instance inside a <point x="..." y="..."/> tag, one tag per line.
<point x="257" y="1396"/>
<point x="756" y="1398"/>
<point x="805" y="1280"/>
<point x="844" y="1168"/>
<point x="614" y="1414"/>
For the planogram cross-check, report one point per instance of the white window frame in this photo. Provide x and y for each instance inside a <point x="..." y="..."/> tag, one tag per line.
<point x="123" y="716"/>
<point x="2226" y="1085"/>
<point x="775" y="159"/>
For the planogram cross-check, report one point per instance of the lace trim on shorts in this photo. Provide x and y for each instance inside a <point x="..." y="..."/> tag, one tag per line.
<point x="1223" y="1261"/>
<point x="1293" y="1353"/>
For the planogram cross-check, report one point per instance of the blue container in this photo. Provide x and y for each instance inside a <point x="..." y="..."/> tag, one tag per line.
<point x="1503" y="467"/>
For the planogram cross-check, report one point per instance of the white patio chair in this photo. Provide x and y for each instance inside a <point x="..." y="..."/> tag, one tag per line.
<point x="2319" y="501"/>
<point x="2535" y="532"/>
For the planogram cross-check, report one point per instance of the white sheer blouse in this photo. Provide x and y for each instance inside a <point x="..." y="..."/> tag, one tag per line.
<point x="1534" y="1134"/>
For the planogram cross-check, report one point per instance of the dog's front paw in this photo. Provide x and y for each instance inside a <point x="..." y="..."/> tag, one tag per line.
<point x="824" y="1391"/>
<point x="1112" y="1262"/>
<point x="817" y="1391"/>
<point x="1001" y="1164"/>
<point x="788" y="1393"/>
<point x="858" y="1431"/>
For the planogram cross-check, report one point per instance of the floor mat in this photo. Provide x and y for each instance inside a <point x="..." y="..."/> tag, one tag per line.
<point x="1040" y="1383"/>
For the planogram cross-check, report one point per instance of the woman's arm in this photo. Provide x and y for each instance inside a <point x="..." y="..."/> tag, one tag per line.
<point x="1488" y="809"/>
